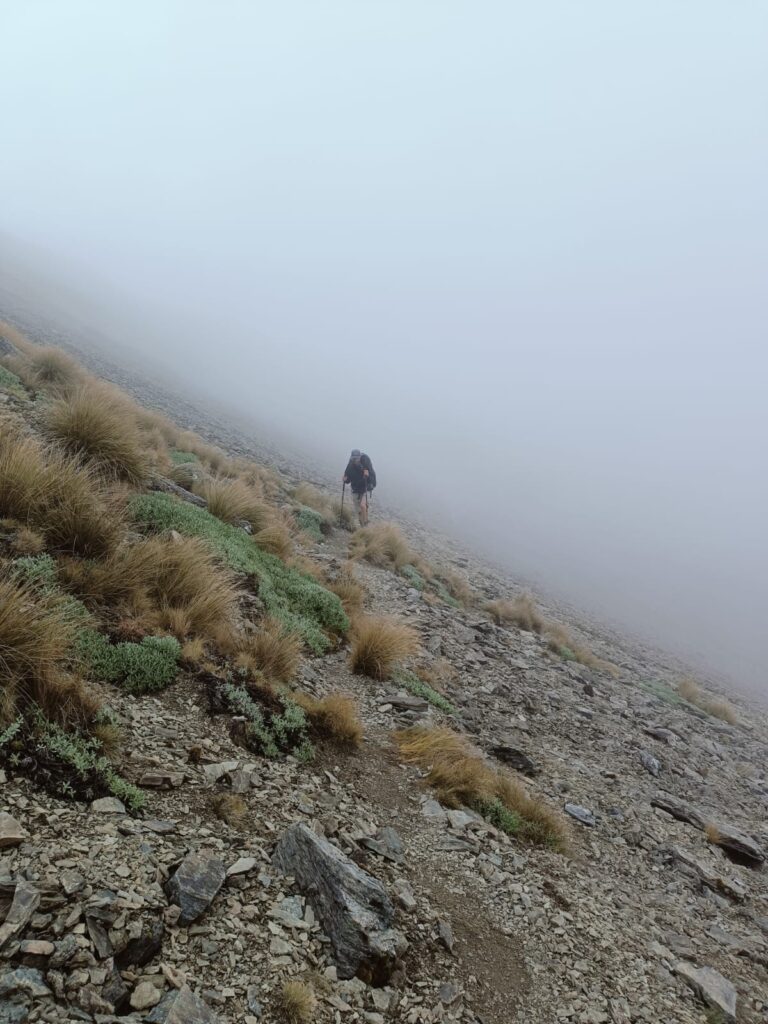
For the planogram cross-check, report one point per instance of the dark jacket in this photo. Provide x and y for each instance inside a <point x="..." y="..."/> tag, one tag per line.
<point x="355" y="476"/>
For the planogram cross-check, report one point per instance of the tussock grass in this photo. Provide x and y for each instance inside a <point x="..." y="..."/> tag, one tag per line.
<point x="52" y="369"/>
<point x="276" y="540"/>
<point x="297" y="1002"/>
<point x="52" y="493"/>
<point x="458" y="588"/>
<point x="28" y="542"/>
<point x="91" y="423"/>
<point x="384" y="545"/>
<point x="521" y="612"/>
<point x="180" y="582"/>
<point x="230" y="807"/>
<point x="689" y="690"/>
<point x="299" y="602"/>
<point x="271" y="651"/>
<point x="712" y="832"/>
<point x="334" y="717"/>
<point x="232" y="501"/>
<point x="36" y="639"/>
<point x="13" y="335"/>
<point x="379" y="642"/>
<point x="193" y="651"/>
<point x="312" y="497"/>
<point x="460" y="776"/>
<point x="350" y="592"/>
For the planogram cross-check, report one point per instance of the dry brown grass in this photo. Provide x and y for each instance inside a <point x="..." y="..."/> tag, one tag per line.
<point x="457" y="587"/>
<point x="561" y="641"/>
<point x="36" y="637"/>
<point x="437" y="673"/>
<point x="712" y="832"/>
<point x="297" y="1002"/>
<point x="271" y="651"/>
<point x="230" y="807"/>
<point x="233" y="501"/>
<point x="717" y="707"/>
<point x="92" y="424"/>
<point x="51" y="492"/>
<point x="28" y="542"/>
<point x="193" y="651"/>
<point x="335" y="717"/>
<point x="350" y="592"/>
<point x="383" y="544"/>
<point x="275" y="539"/>
<point x="312" y="497"/>
<point x="16" y="338"/>
<point x="180" y="581"/>
<point x="52" y="369"/>
<point x="460" y="776"/>
<point x="378" y="643"/>
<point x="521" y="612"/>
<point x="308" y="566"/>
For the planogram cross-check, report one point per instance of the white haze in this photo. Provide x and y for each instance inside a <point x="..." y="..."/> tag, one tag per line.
<point x="516" y="251"/>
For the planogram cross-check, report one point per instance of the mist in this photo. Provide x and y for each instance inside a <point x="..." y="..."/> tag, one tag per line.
<point x="515" y="252"/>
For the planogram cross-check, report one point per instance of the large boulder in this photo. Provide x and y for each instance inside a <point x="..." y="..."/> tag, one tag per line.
<point x="711" y="987"/>
<point x="353" y="906"/>
<point x="182" y="1007"/>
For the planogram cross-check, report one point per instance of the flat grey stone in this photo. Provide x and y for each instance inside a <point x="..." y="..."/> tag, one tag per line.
<point x="26" y="900"/>
<point x="11" y="832"/>
<point x="108" y="805"/>
<point x="195" y="884"/>
<point x="182" y="1007"/>
<point x="581" y="814"/>
<point x="711" y="987"/>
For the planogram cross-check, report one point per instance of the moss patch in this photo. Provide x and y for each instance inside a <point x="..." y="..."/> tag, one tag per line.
<point x="414" y="577"/>
<point x="292" y="597"/>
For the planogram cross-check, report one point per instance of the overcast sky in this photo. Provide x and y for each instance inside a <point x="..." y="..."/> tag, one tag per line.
<point x="516" y="251"/>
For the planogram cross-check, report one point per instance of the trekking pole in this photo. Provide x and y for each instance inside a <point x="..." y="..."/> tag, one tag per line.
<point x="341" y="513"/>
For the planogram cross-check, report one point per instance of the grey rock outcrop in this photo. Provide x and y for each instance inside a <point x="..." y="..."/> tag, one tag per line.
<point x="353" y="906"/>
<point x="711" y="987"/>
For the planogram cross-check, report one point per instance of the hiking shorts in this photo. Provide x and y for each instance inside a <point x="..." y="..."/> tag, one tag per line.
<point x="358" y="499"/>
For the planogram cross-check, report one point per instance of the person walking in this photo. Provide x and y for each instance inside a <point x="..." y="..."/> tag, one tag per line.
<point x="361" y="477"/>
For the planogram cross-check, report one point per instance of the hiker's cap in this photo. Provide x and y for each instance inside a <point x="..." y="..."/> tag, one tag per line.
<point x="355" y="453"/>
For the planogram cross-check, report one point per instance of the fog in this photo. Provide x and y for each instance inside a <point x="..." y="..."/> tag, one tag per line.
<point x="516" y="252"/>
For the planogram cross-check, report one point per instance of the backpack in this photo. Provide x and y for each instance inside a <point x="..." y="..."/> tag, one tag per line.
<point x="366" y="463"/>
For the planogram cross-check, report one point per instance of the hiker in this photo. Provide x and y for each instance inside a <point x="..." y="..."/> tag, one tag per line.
<point x="361" y="477"/>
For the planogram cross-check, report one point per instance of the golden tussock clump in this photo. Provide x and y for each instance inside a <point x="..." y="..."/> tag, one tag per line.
<point x="233" y="501"/>
<point x="521" y="612"/>
<point x="308" y="566"/>
<point x="378" y="643"/>
<point x="383" y="544"/>
<point x="270" y="650"/>
<point x="297" y="1002"/>
<point x="457" y="587"/>
<point x="312" y="497"/>
<point x="459" y="776"/>
<point x="350" y="592"/>
<point x="93" y="424"/>
<point x="689" y="690"/>
<point x="276" y="540"/>
<point x="712" y="832"/>
<point x="52" y="369"/>
<point x="180" y="581"/>
<point x="28" y="542"/>
<point x="230" y="807"/>
<point x="193" y="651"/>
<point x="437" y="673"/>
<point x="36" y="638"/>
<point x="54" y="494"/>
<point x="19" y="341"/>
<point x="334" y="717"/>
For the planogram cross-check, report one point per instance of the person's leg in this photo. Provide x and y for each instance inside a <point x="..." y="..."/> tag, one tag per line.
<point x="364" y="509"/>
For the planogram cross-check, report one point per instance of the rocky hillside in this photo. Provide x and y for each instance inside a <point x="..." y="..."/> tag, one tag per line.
<point x="257" y="766"/>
